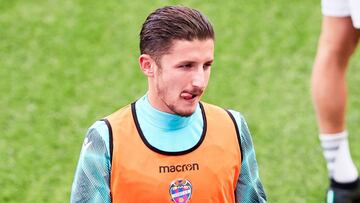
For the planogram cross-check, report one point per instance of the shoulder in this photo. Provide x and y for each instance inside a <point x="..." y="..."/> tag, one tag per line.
<point x="242" y="125"/>
<point x="121" y="112"/>
<point x="99" y="126"/>
<point x="99" y="132"/>
<point x="237" y="117"/>
<point x="213" y="107"/>
<point x="245" y="135"/>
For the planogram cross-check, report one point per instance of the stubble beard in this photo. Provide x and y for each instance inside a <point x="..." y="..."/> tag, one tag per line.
<point x="172" y="107"/>
<point x="179" y="112"/>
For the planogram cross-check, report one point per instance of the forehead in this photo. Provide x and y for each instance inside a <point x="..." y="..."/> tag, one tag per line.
<point x="191" y="50"/>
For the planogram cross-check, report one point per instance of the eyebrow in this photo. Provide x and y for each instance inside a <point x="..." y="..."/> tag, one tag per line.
<point x="188" y="61"/>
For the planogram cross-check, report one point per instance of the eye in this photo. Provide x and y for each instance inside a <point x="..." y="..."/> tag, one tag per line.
<point x="187" y="65"/>
<point x="207" y="66"/>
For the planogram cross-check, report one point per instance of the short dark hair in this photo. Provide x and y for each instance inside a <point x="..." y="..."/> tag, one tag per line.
<point x="170" y="23"/>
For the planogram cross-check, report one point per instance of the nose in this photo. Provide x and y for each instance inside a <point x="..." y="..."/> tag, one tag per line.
<point x="199" y="78"/>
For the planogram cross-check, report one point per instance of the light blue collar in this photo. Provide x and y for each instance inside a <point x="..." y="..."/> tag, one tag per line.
<point x="161" y="119"/>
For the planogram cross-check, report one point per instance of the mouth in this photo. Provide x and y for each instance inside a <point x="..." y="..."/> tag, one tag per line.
<point x="190" y="96"/>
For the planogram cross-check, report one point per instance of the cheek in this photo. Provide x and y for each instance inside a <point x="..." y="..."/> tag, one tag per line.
<point x="207" y="77"/>
<point x="176" y="80"/>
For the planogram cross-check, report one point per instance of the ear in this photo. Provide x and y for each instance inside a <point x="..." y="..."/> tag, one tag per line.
<point x="147" y="65"/>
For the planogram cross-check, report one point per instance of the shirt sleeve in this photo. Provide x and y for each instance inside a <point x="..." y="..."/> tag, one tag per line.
<point x="249" y="187"/>
<point x="92" y="176"/>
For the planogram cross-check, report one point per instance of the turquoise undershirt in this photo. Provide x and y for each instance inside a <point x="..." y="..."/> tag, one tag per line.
<point x="168" y="132"/>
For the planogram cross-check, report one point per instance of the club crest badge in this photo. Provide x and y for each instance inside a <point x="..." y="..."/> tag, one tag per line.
<point x="180" y="190"/>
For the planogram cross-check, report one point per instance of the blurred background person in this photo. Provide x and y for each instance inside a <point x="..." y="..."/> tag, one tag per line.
<point x="338" y="40"/>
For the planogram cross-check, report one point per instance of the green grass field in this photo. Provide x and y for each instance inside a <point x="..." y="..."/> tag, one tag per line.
<point x="65" y="64"/>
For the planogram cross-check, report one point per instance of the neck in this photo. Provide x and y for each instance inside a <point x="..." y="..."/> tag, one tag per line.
<point x="160" y="119"/>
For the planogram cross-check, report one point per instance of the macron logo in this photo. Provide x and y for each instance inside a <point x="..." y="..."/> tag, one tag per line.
<point x="179" y="168"/>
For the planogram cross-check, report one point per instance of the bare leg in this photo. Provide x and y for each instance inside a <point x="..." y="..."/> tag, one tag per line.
<point x="337" y="42"/>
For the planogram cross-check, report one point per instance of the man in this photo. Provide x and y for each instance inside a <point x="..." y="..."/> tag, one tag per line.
<point x="339" y="37"/>
<point x="168" y="146"/>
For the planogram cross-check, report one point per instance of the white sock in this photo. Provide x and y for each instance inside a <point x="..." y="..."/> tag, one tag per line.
<point x="336" y="152"/>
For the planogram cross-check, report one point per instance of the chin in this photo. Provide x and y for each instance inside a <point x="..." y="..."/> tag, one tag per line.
<point x="186" y="112"/>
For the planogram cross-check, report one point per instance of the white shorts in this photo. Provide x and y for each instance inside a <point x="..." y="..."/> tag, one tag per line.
<point x="342" y="8"/>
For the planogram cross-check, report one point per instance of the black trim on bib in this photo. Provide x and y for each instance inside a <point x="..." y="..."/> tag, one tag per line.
<point x="133" y="110"/>
<point x="110" y="138"/>
<point x="237" y="132"/>
<point x="110" y="148"/>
